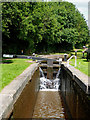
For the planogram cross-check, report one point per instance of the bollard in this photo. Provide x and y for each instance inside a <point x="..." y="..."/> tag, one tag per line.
<point x="65" y="57"/>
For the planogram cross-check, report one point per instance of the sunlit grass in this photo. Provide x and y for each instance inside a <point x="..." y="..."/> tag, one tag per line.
<point x="11" y="70"/>
<point x="82" y="65"/>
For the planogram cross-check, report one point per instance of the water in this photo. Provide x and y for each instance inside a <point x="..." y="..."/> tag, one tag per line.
<point x="41" y="72"/>
<point x="49" y="105"/>
<point x="67" y="103"/>
<point x="49" y="101"/>
<point x="58" y="73"/>
<point x="49" y="83"/>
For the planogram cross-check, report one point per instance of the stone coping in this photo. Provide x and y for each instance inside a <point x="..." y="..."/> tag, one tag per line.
<point x="82" y="80"/>
<point x="11" y="92"/>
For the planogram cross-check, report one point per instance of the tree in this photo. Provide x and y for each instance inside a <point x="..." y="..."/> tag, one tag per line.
<point x="38" y="26"/>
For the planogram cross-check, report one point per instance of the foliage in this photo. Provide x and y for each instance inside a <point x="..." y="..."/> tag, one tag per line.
<point x="38" y="26"/>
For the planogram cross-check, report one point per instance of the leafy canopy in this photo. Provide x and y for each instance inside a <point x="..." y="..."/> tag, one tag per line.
<point x="37" y="26"/>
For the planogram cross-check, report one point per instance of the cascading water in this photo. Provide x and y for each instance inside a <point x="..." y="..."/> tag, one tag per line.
<point x="58" y="73"/>
<point x="41" y="72"/>
<point x="47" y="84"/>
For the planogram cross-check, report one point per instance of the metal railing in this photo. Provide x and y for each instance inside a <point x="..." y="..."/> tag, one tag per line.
<point x="70" y="59"/>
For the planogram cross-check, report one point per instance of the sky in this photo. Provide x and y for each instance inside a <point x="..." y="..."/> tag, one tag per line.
<point x="82" y="6"/>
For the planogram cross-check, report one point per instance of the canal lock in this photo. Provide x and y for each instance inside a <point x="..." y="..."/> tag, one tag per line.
<point x="49" y="102"/>
<point x="42" y="99"/>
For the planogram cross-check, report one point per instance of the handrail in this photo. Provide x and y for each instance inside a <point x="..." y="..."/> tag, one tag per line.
<point x="70" y="59"/>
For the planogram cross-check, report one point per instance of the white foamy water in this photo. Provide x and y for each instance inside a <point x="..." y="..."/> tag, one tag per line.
<point x="41" y="71"/>
<point x="58" y="73"/>
<point x="47" y="84"/>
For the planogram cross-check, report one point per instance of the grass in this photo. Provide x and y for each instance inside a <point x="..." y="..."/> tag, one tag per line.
<point x="82" y="63"/>
<point x="11" y="69"/>
<point x="14" y="67"/>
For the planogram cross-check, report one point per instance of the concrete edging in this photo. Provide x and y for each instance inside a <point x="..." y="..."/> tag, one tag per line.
<point x="11" y="92"/>
<point x="80" y="78"/>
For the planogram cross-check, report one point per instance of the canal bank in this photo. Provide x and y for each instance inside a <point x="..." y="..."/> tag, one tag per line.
<point x="21" y="99"/>
<point x="75" y="90"/>
<point x="11" y="93"/>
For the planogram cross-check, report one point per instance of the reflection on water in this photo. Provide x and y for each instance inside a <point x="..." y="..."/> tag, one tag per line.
<point x="49" y="105"/>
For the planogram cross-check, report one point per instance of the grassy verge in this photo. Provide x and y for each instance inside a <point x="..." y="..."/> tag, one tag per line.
<point x="11" y="69"/>
<point x="82" y="63"/>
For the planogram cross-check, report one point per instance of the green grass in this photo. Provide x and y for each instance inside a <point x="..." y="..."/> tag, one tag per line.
<point x="11" y="69"/>
<point x="82" y="63"/>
